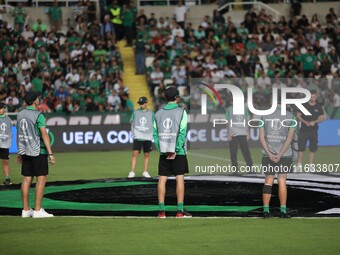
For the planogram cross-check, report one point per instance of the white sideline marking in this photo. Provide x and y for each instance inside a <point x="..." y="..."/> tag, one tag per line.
<point x="173" y="217"/>
<point x="330" y="211"/>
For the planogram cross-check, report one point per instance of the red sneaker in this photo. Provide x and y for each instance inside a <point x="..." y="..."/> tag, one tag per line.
<point x="184" y="214"/>
<point x="161" y="214"/>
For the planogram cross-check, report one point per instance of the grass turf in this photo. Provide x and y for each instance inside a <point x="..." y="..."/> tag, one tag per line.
<point x="169" y="236"/>
<point x="66" y="235"/>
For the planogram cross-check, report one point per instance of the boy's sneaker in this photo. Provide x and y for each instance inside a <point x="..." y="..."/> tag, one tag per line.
<point x="26" y="214"/>
<point x="131" y="174"/>
<point x="41" y="214"/>
<point x="161" y="214"/>
<point x="285" y="215"/>
<point x="146" y="174"/>
<point x="184" y="214"/>
<point x="7" y="181"/>
<point x="266" y="215"/>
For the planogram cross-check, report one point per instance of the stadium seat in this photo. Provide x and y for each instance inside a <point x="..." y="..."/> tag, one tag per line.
<point x="334" y="69"/>
<point x="263" y="61"/>
<point x="149" y="61"/>
<point x="181" y="90"/>
<point x="168" y="82"/>
<point x="62" y="40"/>
<point x="156" y="91"/>
<point x="275" y="36"/>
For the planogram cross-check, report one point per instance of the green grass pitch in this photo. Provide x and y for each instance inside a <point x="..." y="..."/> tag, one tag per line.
<point x="103" y="235"/>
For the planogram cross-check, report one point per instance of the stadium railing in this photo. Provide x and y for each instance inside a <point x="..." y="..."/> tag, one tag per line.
<point x="255" y="4"/>
<point x="67" y="3"/>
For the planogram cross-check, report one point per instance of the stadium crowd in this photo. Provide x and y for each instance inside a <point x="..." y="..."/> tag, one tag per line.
<point x="81" y="70"/>
<point x="259" y="51"/>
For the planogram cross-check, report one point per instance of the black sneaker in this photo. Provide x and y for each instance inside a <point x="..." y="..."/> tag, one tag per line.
<point x="7" y="181"/>
<point x="266" y="215"/>
<point x="285" y="215"/>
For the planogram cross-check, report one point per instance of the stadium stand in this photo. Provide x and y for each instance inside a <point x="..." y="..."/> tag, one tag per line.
<point x="77" y="67"/>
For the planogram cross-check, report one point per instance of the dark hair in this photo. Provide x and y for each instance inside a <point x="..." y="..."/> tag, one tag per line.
<point x="313" y="92"/>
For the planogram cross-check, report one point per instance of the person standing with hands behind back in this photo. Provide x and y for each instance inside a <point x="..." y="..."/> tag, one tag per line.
<point x="169" y="132"/>
<point x="309" y="130"/>
<point x="34" y="154"/>
<point x="5" y="141"/>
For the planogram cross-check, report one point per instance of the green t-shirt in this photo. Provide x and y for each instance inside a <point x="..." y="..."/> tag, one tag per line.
<point x="76" y="96"/>
<point x="273" y="59"/>
<point x="221" y="62"/>
<point x="36" y="26"/>
<point x="129" y="105"/>
<point x="128" y="18"/>
<point x="100" y="53"/>
<point x="94" y="85"/>
<point x="99" y="100"/>
<point x="19" y="15"/>
<point x="39" y="43"/>
<point x="308" y="62"/>
<point x="37" y="85"/>
<point x="251" y="45"/>
<point x="55" y="13"/>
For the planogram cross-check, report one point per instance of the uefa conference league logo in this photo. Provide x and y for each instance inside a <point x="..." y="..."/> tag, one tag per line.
<point x="23" y="124"/>
<point x="167" y="124"/>
<point x="142" y="121"/>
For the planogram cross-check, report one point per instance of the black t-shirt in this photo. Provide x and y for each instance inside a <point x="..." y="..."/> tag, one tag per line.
<point x="316" y="111"/>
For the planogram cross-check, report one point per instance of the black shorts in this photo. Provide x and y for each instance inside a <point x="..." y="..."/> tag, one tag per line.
<point x="137" y="146"/>
<point x="284" y="166"/>
<point x="34" y="166"/>
<point x="4" y="153"/>
<point x="312" y="137"/>
<point x="177" y="166"/>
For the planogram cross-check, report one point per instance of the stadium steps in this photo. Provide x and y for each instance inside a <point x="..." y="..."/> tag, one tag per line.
<point x="137" y="84"/>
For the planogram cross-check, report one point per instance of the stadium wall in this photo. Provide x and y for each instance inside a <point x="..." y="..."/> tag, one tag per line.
<point x="195" y="14"/>
<point x="98" y="136"/>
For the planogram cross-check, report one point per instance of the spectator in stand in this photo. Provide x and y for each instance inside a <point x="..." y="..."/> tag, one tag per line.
<point x="116" y="13"/>
<point x="19" y="14"/>
<point x="79" y="11"/>
<point x="28" y="33"/>
<point x="107" y="30"/>
<point x="296" y="7"/>
<point x="315" y="21"/>
<point x="39" y="26"/>
<point x="162" y="23"/>
<point x="179" y="75"/>
<point x="331" y="17"/>
<point x="139" y="49"/>
<point x="128" y="20"/>
<point x="180" y="13"/>
<point x="218" y="19"/>
<point x="72" y="78"/>
<point x="114" y="102"/>
<point x="156" y="77"/>
<point x="91" y="11"/>
<point x="55" y="14"/>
